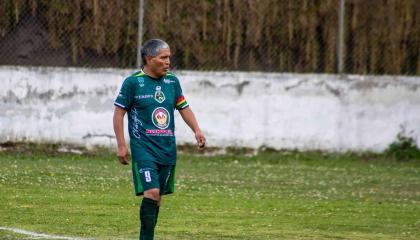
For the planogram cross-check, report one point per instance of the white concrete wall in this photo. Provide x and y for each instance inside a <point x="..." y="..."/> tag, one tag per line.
<point x="304" y="111"/>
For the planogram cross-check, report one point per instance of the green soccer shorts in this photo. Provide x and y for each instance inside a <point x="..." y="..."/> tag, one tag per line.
<point x="153" y="175"/>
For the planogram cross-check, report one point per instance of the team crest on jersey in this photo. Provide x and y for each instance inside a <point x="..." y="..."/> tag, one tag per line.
<point x="159" y="95"/>
<point x="161" y="118"/>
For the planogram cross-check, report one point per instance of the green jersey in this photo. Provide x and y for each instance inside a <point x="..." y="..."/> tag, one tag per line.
<point x="150" y="104"/>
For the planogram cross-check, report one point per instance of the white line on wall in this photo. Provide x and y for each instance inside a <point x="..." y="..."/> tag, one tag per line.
<point x="39" y="235"/>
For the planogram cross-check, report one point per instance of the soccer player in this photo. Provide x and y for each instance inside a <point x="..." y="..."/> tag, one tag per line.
<point x="150" y="97"/>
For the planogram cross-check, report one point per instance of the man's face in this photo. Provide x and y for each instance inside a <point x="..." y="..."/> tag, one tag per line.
<point x="159" y="65"/>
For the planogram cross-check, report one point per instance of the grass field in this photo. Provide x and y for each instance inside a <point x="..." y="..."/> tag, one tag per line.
<point x="272" y="195"/>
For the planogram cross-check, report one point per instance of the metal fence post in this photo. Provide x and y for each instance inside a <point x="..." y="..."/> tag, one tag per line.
<point x="140" y="32"/>
<point x="340" y="45"/>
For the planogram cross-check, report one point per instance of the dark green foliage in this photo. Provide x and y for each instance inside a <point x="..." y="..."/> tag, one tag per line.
<point x="403" y="149"/>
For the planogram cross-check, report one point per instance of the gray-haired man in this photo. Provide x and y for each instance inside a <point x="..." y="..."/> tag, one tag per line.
<point x="150" y="97"/>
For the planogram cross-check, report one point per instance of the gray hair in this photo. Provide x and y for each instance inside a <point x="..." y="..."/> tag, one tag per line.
<point x="151" y="48"/>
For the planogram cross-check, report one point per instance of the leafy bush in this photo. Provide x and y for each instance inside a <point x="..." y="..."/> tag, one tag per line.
<point x="404" y="148"/>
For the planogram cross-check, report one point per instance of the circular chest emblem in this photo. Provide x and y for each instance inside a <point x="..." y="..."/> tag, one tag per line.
<point x="161" y="118"/>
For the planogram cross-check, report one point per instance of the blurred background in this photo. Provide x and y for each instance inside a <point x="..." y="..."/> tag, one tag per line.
<point x="319" y="36"/>
<point x="292" y="153"/>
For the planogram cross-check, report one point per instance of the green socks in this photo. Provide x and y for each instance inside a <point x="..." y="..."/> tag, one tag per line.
<point x="148" y="218"/>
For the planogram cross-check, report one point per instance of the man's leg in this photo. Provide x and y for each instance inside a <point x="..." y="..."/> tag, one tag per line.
<point x="148" y="210"/>
<point x="164" y="172"/>
<point x="154" y="181"/>
<point x="147" y="175"/>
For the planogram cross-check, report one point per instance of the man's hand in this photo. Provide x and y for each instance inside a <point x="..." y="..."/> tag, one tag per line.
<point x="189" y="118"/>
<point x="123" y="154"/>
<point x="201" y="140"/>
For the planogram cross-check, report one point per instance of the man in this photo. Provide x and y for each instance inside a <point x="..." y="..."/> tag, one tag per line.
<point x="150" y="97"/>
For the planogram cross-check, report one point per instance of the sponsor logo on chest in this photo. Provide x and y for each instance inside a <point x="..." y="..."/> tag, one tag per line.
<point x="145" y="96"/>
<point x="168" y="81"/>
<point x="161" y="118"/>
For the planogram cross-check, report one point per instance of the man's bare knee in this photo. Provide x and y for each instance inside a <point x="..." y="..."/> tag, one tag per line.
<point x="153" y="193"/>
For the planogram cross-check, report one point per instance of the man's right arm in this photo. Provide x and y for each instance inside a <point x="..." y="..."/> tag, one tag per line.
<point x="118" y="122"/>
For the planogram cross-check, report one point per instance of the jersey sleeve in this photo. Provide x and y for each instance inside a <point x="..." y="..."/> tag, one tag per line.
<point x="125" y="96"/>
<point x="180" y="102"/>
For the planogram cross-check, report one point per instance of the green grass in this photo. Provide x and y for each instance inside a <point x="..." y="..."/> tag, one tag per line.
<point x="273" y="195"/>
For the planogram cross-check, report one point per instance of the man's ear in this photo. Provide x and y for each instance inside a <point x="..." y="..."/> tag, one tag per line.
<point x="148" y="59"/>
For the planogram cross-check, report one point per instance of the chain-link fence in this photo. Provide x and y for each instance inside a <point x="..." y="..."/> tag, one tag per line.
<point x="378" y="37"/>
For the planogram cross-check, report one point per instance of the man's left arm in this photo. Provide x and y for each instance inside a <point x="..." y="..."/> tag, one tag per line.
<point x="189" y="118"/>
